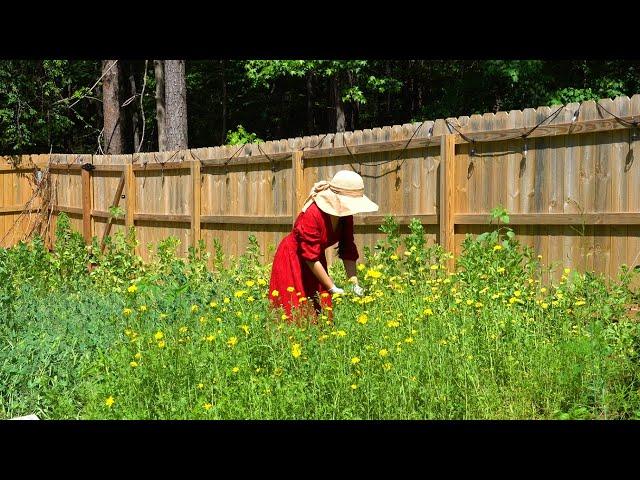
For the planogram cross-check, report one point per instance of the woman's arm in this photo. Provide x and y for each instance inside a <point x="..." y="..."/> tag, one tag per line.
<point x="350" y="268"/>
<point x="321" y="274"/>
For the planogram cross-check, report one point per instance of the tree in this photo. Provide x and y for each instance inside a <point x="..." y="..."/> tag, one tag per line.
<point x="112" y="120"/>
<point x="176" y="104"/>
<point x="158" y="66"/>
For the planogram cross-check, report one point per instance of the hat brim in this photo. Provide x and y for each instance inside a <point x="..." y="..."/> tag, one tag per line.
<point x="343" y="205"/>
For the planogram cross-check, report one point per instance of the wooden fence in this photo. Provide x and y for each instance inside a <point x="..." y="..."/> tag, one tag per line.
<point x="572" y="188"/>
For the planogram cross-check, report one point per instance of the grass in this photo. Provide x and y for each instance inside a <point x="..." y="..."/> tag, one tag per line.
<point x="173" y="339"/>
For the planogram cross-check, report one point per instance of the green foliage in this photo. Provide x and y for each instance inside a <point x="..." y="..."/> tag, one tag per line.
<point x="241" y="136"/>
<point x="173" y="339"/>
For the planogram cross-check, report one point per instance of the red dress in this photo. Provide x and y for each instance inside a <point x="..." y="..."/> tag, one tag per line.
<point x="312" y="234"/>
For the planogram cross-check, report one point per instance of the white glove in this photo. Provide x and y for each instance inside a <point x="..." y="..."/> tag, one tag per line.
<point x="333" y="290"/>
<point x="358" y="290"/>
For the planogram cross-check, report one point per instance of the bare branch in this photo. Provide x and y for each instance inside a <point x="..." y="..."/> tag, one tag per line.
<point x="144" y="84"/>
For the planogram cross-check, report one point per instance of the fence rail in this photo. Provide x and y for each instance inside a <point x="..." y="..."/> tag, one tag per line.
<point x="571" y="185"/>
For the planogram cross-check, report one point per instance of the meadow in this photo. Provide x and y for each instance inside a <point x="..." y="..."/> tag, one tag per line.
<point x="175" y="338"/>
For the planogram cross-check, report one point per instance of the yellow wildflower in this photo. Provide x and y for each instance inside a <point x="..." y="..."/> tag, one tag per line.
<point x="239" y="293"/>
<point x="245" y="329"/>
<point x="373" y="273"/>
<point x="355" y="360"/>
<point x="544" y="305"/>
<point x="213" y="304"/>
<point x="249" y="283"/>
<point x="383" y="353"/>
<point x="183" y="329"/>
<point x="408" y="340"/>
<point x="290" y="289"/>
<point x="566" y="271"/>
<point x="133" y="364"/>
<point x="580" y="302"/>
<point x="235" y="369"/>
<point x="393" y="324"/>
<point x="158" y="335"/>
<point x="201" y="386"/>
<point x="127" y="311"/>
<point x="207" y="406"/>
<point x="386" y="366"/>
<point x="132" y="289"/>
<point x="296" y="350"/>
<point x="109" y="401"/>
<point x="362" y="319"/>
<point x="427" y="312"/>
<point x="226" y="300"/>
<point x="497" y="247"/>
<point x="500" y="269"/>
<point x="143" y="308"/>
<point x="341" y="333"/>
<point x="161" y="344"/>
<point x="232" y="341"/>
<point x="262" y="282"/>
<point x="137" y="356"/>
<point x="275" y="293"/>
<point x="284" y="316"/>
<point x="194" y="308"/>
<point x="353" y="386"/>
<point x="433" y="267"/>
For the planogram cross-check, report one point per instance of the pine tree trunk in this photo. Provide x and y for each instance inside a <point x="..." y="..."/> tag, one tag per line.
<point x="340" y="118"/>
<point x="224" y="106"/>
<point x="158" y="67"/>
<point x="133" y="108"/>
<point x="176" y="104"/>
<point x="112" y="133"/>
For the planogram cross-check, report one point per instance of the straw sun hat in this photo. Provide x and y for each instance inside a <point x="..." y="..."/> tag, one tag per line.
<point x="342" y="196"/>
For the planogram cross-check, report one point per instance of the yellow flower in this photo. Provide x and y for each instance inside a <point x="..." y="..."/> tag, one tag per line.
<point x="497" y="247"/>
<point x="543" y="289"/>
<point x="194" y="308"/>
<point x="262" y="282"/>
<point x="427" y="311"/>
<point x="239" y="293"/>
<point x="296" y="350"/>
<point x="133" y="364"/>
<point x="210" y="338"/>
<point x="284" y="316"/>
<point x="361" y="267"/>
<point x="408" y="340"/>
<point x="159" y="335"/>
<point x="393" y="324"/>
<point x="394" y="257"/>
<point x="302" y="299"/>
<point x="566" y="271"/>
<point x="355" y="360"/>
<point x="386" y="366"/>
<point x="275" y="293"/>
<point x="407" y="253"/>
<point x="249" y="283"/>
<point x="324" y="295"/>
<point x="137" y="356"/>
<point x="290" y="289"/>
<point x="232" y="341"/>
<point x="362" y="318"/>
<point x="226" y="300"/>
<point x="201" y="386"/>
<point x="580" y="302"/>
<point x="373" y="273"/>
<point x="500" y="269"/>
<point x="544" y="305"/>
<point x="478" y="305"/>
<point x="433" y="267"/>
<point x="109" y="401"/>
<point x="127" y="311"/>
<point x="213" y="304"/>
<point x="202" y="320"/>
<point x="469" y="302"/>
<point x="235" y="369"/>
<point x="207" y="406"/>
<point x="494" y="296"/>
<point x="341" y="333"/>
<point x="517" y="293"/>
<point x="353" y="386"/>
<point x="183" y="329"/>
<point x="323" y="337"/>
<point x="383" y="353"/>
<point x="161" y="344"/>
<point x="132" y="289"/>
<point x="245" y="328"/>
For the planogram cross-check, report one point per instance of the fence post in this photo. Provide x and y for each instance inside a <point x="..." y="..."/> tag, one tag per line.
<point x="196" y="205"/>
<point x="87" y="205"/>
<point x="130" y="195"/>
<point x="297" y="192"/>
<point x="447" y="179"/>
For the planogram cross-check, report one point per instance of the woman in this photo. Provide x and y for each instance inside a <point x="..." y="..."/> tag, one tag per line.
<point x="299" y="273"/>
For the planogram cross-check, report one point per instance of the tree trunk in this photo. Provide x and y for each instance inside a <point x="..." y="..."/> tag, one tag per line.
<point x="112" y="133"/>
<point x="310" y="122"/>
<point x="133" y="108"/>
<point x="176" y="103"/>
<point x="224" y="106"/>
<point x="335" y="89"/>
<point x="158" y="67"/>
